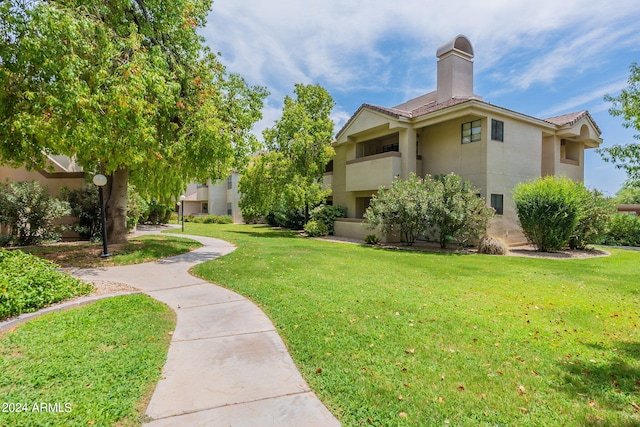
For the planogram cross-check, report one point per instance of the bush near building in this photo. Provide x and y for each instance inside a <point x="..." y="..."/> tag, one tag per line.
<point x="327" y="214"/>
<point x="30" y="213"/>
<point x="445" y="207"/>
<point x="556" y="212"/>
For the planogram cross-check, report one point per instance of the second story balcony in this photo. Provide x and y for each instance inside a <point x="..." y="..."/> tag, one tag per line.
<point x="370" y="172"/>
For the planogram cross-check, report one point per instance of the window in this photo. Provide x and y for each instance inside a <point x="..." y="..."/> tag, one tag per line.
<point x="471" y="131"/>
<point x="205" y="207"/>
<point x="229" y="209"/>
<point x="230" y="182"/>
<point x="497" y="130"/>
<point x="497" y="203"/>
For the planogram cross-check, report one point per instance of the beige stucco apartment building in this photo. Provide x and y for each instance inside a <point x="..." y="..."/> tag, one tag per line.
<point x="214" y="198"/>
<point x="452" y="130"/>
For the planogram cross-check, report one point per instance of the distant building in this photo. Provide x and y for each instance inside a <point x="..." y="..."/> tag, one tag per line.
<point x="452" y="130"/>
<point x="214" y="198"/>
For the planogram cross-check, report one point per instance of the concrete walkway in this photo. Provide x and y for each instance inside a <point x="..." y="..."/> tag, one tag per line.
<point x="227" y="365"/>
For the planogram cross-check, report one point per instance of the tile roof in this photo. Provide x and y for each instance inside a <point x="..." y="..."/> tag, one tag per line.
<point x="571" y="119"/>
<point x="430" y="107"/>
<point x="396" y="113"/>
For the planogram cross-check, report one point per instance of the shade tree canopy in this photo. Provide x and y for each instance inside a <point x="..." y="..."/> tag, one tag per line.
<point x="127" y="88"/>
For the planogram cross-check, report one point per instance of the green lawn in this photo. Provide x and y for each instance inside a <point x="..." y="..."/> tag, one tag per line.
<point x="94" y="365"/>
<point x="411" y="338"/>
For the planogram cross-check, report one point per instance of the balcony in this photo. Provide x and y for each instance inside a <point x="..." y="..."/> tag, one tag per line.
<point x="202" y="193"/>
<point x="370" y="172"/>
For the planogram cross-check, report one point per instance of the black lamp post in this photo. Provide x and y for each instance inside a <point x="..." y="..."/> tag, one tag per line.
<point x="100" y="181"/>
<point x="182" y="197"/>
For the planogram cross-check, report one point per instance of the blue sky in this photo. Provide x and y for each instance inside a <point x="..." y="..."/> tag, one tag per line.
<point x="542" y="58"/>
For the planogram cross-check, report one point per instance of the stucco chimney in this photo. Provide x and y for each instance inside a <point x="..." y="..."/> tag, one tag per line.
<point x="455" y="69"/>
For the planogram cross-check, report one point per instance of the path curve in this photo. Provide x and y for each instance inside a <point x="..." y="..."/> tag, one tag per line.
<point x="227" y="365"/>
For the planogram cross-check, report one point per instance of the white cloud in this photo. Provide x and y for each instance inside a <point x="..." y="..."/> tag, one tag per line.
<point x="594" y="97"/>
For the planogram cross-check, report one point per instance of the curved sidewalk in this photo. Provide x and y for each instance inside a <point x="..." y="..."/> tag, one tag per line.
<point x="227" y="365"/>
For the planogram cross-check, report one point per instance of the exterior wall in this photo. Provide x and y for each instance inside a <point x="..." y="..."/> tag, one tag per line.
<point x="53" y="181"/>
<point x="369" y="173"/>
<point x="218" y="197"/>
<point x="443" y="152"/>
<point x="517" y="159"/>
<point x="355" y="229"/>
<point x="339" y="180"/>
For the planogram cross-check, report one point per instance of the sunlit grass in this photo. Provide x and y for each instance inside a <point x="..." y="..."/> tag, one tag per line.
<point x="412" y="338"/>
<point x="93" y="365"/>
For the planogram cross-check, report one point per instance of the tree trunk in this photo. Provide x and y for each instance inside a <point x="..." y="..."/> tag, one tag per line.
<point x="116" y="199"/>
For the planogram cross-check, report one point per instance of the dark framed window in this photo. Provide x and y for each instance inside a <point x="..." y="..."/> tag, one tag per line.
<point x="497" y="201"/>
<point x="230" y="182"/>
<point x="471" y="131"/>
<point x="229" y="209"/>
<point x="497" y="130"/>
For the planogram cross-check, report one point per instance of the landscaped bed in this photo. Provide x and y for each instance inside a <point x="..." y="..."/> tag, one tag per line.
<point x="389" y="337"/>
<point x="138" y="250"/>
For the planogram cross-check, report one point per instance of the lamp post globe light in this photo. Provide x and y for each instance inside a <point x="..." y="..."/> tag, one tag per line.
<point x="100" y="181"/>
<point x="182" y="197"/>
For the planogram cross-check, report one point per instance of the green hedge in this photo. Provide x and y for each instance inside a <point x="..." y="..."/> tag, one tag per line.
<point x="209" y="219"/>
<point x="28" y="283"/>
<point x="624" y="230"/>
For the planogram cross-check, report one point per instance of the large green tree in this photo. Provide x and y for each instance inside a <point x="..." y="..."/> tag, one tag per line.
<point x="298" y="147"/>
<point x="128" y="88"/>
<point x="627" y="105"/>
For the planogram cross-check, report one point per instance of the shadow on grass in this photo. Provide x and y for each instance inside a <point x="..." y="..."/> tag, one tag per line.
<point x="613" y="383"/>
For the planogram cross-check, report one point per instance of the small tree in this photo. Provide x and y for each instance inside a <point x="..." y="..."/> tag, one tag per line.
<point x="404" y="207"/>
<point x="289" y="175"/>
<point x="548" y="210"/>
<point x="627" y="105"/>
<point x="30" y="212"/>
<point x="594" y="214"/>
<point x="629" y="193"/>
<point x="459" y="215"/>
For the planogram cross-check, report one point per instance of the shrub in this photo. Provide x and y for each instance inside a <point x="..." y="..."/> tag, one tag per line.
<point x="287" y="218"/>
<point x="404" y="207"/>
<point x="446" y="205"/>
<point x="138" y="208"/>
<point x="28" y="283"/>
<point x="490" y="245"/>
<point x="216" y="219"/>
<point x="624" y="230"/>
<point x="372" y="239"/>
<point x="30" y="212"/>
<point x="458" y="215"/>
<point x="594" y="213"/>
<point x="328" y="214"/>
<point x="548" y="210"/>
<point x="157" y="213"/>
<point x="316" y="229"/>
<point x="85" y="206"/>
<point x="224" y="219"/>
